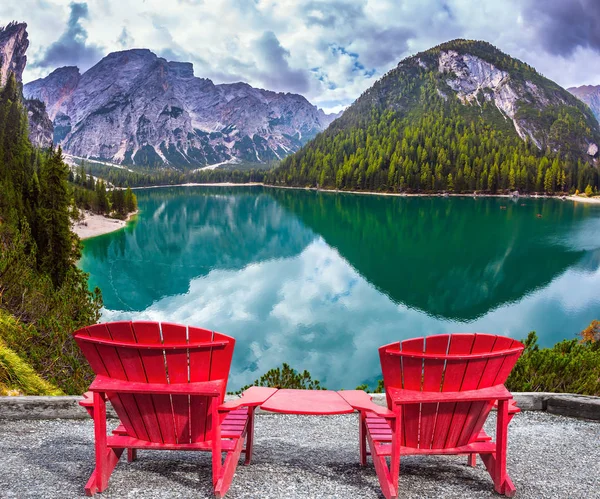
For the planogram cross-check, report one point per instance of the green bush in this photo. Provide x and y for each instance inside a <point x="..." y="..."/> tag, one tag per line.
<point x="286" y="377"/>
<point x="571" y="366"/>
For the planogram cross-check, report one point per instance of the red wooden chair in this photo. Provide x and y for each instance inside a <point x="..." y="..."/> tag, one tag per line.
<point x="166" y="383"/>
<point x="441" y="390"/>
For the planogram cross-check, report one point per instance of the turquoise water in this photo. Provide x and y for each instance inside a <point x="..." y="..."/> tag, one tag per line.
<point x="321" y="280"/>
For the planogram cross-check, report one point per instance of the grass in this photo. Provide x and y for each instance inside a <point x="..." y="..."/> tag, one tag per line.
<point x="18" y="378"/>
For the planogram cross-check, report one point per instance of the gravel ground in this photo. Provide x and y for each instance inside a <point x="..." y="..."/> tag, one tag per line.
<point x="301" y="457"/>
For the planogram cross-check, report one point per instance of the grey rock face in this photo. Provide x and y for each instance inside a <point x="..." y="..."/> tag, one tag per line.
<point x="13" y="46"/>
<point x="473" y="77"/>
<point x="138" y="109"/>
<point x="40" y="125"/>
<point x="589" y="94"/>
<point x="592" y="150"/>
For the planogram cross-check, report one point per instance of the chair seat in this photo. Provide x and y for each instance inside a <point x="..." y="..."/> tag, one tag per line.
<point x="380" y="430"/>
<point x="232" y="427"/>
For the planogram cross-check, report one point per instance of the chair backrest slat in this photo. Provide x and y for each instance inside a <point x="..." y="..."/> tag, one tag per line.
<point x="433" y="372"/>
<point x="125" y="403"/>
<point x="447" y="363"/>
<point x="454" y="375"/>
<point x="178" y="372"/>
<point x="165" y="353"/>
<point x="200" y="367"/>
<point x="412" y="369"/>
<point x="155" y="368"/>
<point x="134" y="370"/>
<point x="475" y="369"/>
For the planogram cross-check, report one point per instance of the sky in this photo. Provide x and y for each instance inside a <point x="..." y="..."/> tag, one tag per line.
<point x="330" y="51"/>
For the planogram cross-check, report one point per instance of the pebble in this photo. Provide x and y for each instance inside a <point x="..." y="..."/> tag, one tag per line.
<point x="301" y="457"/>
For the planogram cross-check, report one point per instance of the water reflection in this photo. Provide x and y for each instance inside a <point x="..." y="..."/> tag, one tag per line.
<point x="454" y="259"/>
<point x="181" y="234"/>
<point x="321" y="280"/>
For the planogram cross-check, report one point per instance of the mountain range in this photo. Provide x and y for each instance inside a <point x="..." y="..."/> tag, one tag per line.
<point x="589" y="94"/>
<point x="461" y="116"/>
<point x="139" y="109"/>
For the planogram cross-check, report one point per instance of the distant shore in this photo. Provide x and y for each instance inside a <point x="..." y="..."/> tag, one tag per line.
<point x="192" y="184"/>
<point x="576" y="199"/>
<point x="94" y="225"/>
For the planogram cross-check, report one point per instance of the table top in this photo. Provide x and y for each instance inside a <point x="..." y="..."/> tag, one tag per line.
<point x="307" y="402"/>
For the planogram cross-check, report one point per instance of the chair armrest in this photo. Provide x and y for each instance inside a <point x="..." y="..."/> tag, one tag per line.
<point x="252" y="397"/>
<point x="207" y="388"/>
<point x="87" y="400"/>
<point x="399" y="396"/>
<point x="513" y="408"/>
<point x="362" y="401"/>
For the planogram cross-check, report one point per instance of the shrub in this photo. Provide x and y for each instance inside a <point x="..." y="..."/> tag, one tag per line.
<point x="589" y="191"/>
<point x="571" y="366"/>
<point x="286" y="377"/>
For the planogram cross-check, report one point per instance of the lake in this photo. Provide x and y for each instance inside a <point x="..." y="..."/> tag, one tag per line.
<point x="321" y="280"/>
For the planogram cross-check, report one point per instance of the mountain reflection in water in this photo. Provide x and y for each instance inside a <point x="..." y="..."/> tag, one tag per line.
<point x="320" y="280"/>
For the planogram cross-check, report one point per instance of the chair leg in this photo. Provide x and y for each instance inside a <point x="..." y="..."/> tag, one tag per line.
<point x="228" y="469"/>
<point x="362" y="438"/>
<point x="131" y="455"/>
<point x="496" y="463"/>
<point x="106" y="458"/>
<point x="501" y="445"/>
<point x="472" y="460"/>
<point x="388" y="476"/>
<point x="249" y="435"/>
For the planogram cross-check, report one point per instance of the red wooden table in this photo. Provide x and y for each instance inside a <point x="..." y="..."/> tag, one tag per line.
<point x="307" y="402"/>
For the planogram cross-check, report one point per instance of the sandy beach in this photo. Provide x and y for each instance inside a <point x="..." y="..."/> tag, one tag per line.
<point x="581" y="199"/>
<point x="94" y="225"/>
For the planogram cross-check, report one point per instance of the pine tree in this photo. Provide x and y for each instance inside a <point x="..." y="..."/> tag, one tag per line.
<point x="55" y="239"/>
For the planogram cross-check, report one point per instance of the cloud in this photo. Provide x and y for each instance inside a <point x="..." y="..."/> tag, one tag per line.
<point x="564" y="26"/>
<point x="72" y="49"/>
<point x="329" y="50"/>
<point x="276" y="71"/>
<point x="125" y="40"/>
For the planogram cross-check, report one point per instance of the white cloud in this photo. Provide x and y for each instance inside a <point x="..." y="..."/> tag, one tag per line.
<point x="330" y="51"/>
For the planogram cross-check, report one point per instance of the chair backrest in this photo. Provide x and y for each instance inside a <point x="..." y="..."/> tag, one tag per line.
<point x="447" y="363"/>
<point x="151" y="352"/>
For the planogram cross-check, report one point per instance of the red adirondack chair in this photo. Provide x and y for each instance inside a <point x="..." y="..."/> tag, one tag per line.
<point x="166" y="383"/>
<point x="441" y="389"/>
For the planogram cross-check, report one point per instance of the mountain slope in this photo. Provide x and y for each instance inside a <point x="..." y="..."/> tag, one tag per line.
<point x="589" y="94"/>
<point x="13" y="47"/>
<point x="138" y="109"/>
<point x="462" y="116"/>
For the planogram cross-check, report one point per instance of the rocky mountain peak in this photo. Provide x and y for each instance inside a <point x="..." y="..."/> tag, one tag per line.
<point x="13" y="46"/>
<point x="590" y="94"/>
<point x="136" y="108"/>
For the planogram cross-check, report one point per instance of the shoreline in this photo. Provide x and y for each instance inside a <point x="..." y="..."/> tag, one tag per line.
<point x="193" y="184"/>
<point x="593" y="200"/>
<point x="575" y="199"/>
<point x="94" y="225"/>
<point x="586" y="200"/>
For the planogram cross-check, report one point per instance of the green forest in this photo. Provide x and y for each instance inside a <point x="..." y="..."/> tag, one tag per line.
<point x="92" y="195"/>
<point x="411" y="133"/>
<point x="43" y="295"/>
<point x="146" y="178"/>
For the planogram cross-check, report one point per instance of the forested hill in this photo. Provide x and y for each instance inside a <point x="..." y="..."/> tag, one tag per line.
<point x="43" y="295"/>
<point x="462" y="116"/>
